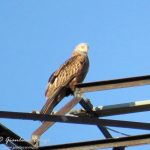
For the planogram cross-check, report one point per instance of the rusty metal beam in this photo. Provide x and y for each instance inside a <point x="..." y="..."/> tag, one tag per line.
<point x="117" y="109"/>
<point x="107" y="143"/>
<point x="46" y="125"/>
<point x="12" y="140"/>
<point x="76" y="120"/>
<point x="113" y="84"/>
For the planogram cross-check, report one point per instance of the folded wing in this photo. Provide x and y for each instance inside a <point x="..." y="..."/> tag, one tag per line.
<point x="62" y="82"/>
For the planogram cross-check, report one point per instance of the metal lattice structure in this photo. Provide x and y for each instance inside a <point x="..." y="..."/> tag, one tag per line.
<point x="88" y="115"/>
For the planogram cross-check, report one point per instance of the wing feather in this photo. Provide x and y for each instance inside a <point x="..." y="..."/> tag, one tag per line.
<point x="62" y="76"/>
<point x="61" y="79"/>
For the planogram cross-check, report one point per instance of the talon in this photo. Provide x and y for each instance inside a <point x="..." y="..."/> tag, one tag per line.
<point x="78" y="94"/>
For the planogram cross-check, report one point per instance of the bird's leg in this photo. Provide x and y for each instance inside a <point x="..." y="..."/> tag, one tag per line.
<point x="78" y="94"/>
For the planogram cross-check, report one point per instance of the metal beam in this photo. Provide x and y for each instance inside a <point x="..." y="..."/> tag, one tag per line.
<point x="89" y="109"/>
<point x="119" y="148"/>
<point x="86" y="104"/>
<point x="12" y="140"/>
<point x="46" y="125"/>
<point x="77" y="120"/>
<point x="107" y="143"/>
<point x="101" y="111"/>
<point x="118" y="109"/>
<point x="113" y="84"/>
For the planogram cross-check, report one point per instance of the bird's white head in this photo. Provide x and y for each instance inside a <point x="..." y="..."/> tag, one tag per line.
<point x="82" y="48"/>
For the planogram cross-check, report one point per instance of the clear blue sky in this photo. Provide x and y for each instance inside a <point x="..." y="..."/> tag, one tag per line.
<point x="37" y="36"/>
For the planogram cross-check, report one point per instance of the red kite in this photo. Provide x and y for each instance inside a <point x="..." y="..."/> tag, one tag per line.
<point x="62" y="82"/>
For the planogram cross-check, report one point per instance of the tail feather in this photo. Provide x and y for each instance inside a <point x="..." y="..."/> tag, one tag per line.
<point x="53" y="101"/>
<point x="48" y="107"/>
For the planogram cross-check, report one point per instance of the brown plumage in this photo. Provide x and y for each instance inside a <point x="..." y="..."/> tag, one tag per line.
<point x="62" y="82"/>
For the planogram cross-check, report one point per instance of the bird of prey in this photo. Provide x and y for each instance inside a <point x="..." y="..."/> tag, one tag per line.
<point x="62" y="82"/>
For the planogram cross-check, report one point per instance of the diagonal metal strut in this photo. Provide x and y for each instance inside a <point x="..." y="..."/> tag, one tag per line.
<point x="87" y="107"/>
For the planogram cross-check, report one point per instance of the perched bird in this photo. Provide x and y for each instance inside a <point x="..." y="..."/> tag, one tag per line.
<point x="62" y="82"/>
